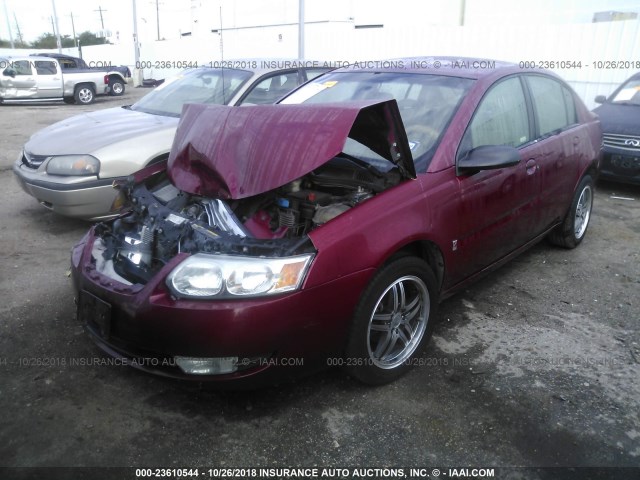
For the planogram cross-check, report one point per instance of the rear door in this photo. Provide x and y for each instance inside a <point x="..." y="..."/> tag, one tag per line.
<point x="49" y="78"/>
<point x="560" y="139"/>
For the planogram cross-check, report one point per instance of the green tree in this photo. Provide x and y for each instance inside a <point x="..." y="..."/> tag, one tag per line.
<point x="89" y="38"/>
<point x="48" y="40"/>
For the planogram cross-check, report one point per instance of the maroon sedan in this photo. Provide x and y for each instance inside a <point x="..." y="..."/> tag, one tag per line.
<point x="327" y="228"/>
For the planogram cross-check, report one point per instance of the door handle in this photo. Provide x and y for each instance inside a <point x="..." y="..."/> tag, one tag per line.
<point x="532" y="166"/>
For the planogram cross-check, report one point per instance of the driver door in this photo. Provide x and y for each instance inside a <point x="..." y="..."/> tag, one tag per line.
<point x="19" y="80"/>
<point x="497" y="209"/>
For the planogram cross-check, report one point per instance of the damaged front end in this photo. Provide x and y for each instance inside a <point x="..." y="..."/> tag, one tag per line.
<point x="164" y="222"/>
<point x="243" y="227"/>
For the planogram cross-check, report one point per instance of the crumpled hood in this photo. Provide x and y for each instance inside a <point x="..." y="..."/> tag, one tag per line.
<point x="231" y="152"/>
<point x="88" y="132"/>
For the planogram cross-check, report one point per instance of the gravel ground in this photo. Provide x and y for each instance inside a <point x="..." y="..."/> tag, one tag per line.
<point x="537" y="365"/>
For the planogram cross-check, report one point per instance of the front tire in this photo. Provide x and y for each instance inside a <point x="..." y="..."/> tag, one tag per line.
<point x="116" y="88"/>
<point x="574" y="227"/>
<point x="392" y="322"/>
<point x="84" y="95"/>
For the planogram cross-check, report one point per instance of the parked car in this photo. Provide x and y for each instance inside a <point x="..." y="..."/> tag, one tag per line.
<point x="117" y="75"/>
<point x="620" y="118"/>
<point x="41" y="78"/>
<point x="325" y="230"/>
<point x="70" y="166"/>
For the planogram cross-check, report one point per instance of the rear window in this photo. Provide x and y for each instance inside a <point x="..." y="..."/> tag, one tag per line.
<point x="553" y="104"/>
<point x="45" y="67"/>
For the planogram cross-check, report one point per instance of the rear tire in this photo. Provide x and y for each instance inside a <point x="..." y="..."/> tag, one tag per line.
<point x="392" y="322"/>
<point x="574" y="227"/>
<point x="116" y="87"/>
<point x="84" y="95"/>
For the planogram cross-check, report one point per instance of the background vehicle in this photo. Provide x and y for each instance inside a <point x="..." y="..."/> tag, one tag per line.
<point x="620" y="118"/>
<point x="117" y="76"/>
<point x="329" y="226"/>
<point x="70" y="166"/>
<point x="41" y="78"/>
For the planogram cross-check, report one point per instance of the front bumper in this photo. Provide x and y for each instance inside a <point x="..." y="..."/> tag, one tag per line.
<point x="149" y="327"/>
<point x="620" y="166"/>
<point x="79" y="197"/>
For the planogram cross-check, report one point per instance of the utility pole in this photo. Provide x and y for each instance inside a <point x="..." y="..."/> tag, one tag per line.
<point x="6" y="16"/>
<point x="158" y="18"/>
<point x="301" y="29"/>
<point x="101" y="19"/>
<point x="137" y="73"/>
<point x="15" y="19"/>
<point x="57" y="27"/>
<point x="73" y="29"/>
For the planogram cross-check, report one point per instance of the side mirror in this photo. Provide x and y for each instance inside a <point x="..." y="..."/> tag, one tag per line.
<point x="9" y="72"/>
<point x="488" y="157"/>
<point x="600" y="99"/>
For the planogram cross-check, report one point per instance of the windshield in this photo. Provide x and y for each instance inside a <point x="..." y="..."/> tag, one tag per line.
<point x="629" y="93"/>
<point x="203" y="85"/>
<point x="426" y="102"/>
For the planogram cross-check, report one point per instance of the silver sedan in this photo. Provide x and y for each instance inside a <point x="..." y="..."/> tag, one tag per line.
<point x="70" y="166"/>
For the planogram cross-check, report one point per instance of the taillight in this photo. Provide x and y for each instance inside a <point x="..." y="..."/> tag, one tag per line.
<point x="106" y="79"/>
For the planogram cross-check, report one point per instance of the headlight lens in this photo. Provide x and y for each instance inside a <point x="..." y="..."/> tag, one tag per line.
<point x="225" y="276"/>
<point x="73" y="165"/>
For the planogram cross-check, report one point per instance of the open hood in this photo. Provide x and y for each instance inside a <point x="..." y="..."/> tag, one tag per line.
<point x="237" y="152"/>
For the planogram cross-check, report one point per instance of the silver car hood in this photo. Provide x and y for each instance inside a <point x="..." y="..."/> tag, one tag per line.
<point x="89" y="132"/>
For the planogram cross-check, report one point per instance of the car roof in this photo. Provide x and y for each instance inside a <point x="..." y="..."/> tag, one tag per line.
<point x="467" y="67"/>
<point x="53" y="55"/>
<point x="25" y="57"/>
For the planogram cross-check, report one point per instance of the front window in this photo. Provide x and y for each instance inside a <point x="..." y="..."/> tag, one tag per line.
<point x="17" y="67"/>
<point x="500" y="119"/>
<point x="426" y="103"/>
<point x="204" y="85"/>
<point x="629" y="93"/>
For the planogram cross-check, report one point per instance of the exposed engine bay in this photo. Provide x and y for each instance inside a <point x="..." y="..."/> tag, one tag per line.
<point x="164" y="221"/>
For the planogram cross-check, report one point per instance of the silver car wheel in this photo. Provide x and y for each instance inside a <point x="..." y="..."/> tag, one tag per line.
<point x="583" y="211"/>
<point x="398" y="322"/>
<point x="85" y="95"/>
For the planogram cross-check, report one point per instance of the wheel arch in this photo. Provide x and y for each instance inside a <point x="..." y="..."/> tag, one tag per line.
<point x="116" y="76"/>
<point x="91" y="85"/>
<point x="428" y="251"/>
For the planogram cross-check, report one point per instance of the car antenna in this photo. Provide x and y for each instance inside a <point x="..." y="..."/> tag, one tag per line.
<point x="224" y="95"/>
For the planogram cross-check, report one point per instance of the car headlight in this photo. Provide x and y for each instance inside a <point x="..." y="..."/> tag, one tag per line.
<point x="224" y="276"/>
<point x="73" y="165"/>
